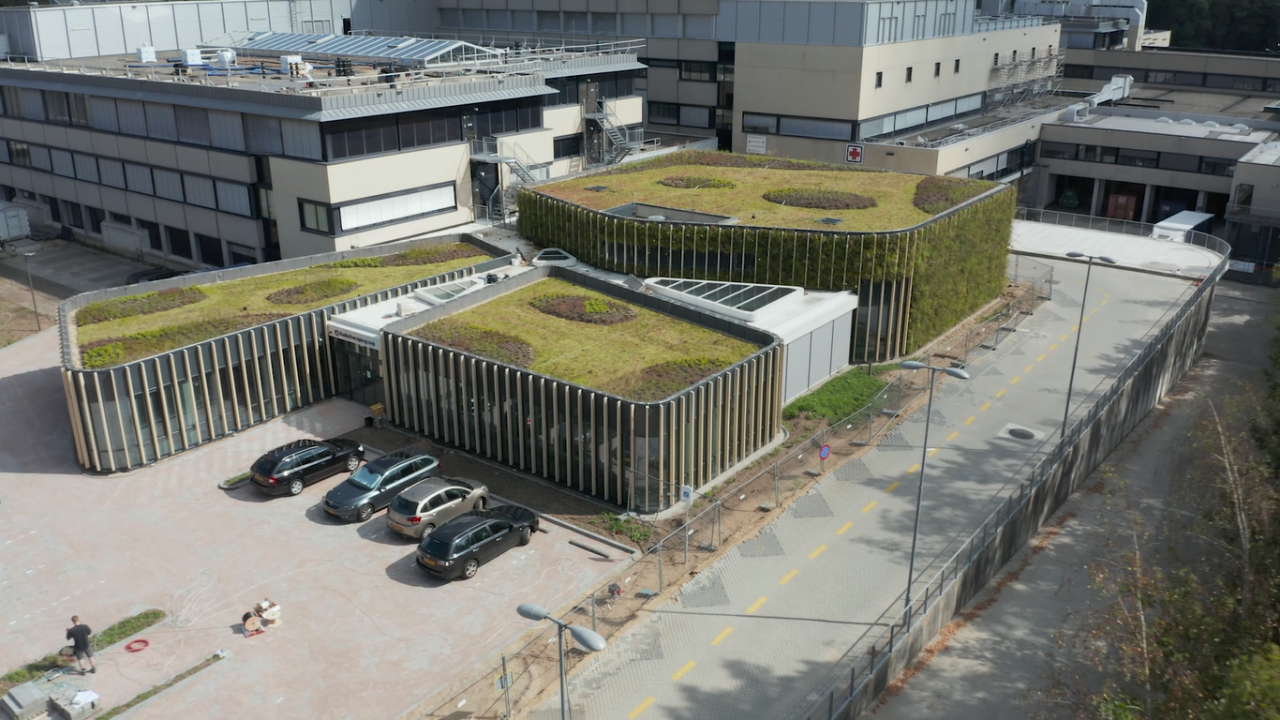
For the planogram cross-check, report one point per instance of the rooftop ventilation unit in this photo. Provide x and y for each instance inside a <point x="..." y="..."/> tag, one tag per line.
<point x="1240" y="128"/>
<point x="1164" y="120"/>
<point x="146" y="54"/>
<point x="1209" y="124"/>
<point x="1186" y="121"/>
<point x="830" y="221"/>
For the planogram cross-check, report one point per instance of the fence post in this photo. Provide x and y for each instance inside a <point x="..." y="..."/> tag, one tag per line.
<point x="777" y="495"/>
<point x="853" y="679"/>
<point x="660" y="584"/>
<point x="593" y="611"/>
<point x="831" y="705"/>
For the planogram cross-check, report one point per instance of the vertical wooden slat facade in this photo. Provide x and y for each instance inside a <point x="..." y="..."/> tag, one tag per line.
<point x="134" y="414"/>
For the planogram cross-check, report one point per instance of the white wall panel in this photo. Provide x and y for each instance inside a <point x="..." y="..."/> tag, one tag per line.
<point x="52" y="27"/>
<point x="749" y="21"/>
<point x="397" y="208"/>
<point x="109" y="25"/>
<point x="795" y="22"/>
<point x="301" y="139"/>
<point x="160" y="22"/>
<point x="81" y="35"/>
<point x="137" y="29"/>
<point x="186" y="24"/>
<point x="822" y="22"/>
<point x="211" y="23"/>
<point x="259" y="18"/>
<point x="727" y="25"/>
<point x="235" y="17"/>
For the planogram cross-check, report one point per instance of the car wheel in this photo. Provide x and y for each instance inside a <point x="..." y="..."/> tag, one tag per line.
<point x="364" y="513"/>
<point x="480" y="503"/>
<point x="353" y="462"/>
<point x="295" y="487"/>
<point x="469" y="570"/>
<point x="426" y="529"/>
<point x="525" y="535"/>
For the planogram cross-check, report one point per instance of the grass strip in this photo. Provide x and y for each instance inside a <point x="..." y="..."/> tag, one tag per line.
<point x="112" y="635"/>
<point x="144" y="304"/>
<point x="147" y="695"/>
<point x="840" y="397"/>
<point x="237" y="480"/>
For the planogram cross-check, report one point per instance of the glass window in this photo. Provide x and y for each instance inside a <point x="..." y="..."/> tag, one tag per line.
<point x="96" y="216"/>
<point x="74" y="214"/>
<point x="500" y="527"/>
<point x="78" y="109"/>
<point x="909" y="74"/>
<point x="816" y="128"/>
<point x="12" y="101"/>
<point x="937" y="69"/>
<point x="1096" y="153"/>
<point x="957" y="67"/>
<point x="567" y="146"/>
<point x="211" y="252"/>
<point x="1137" y="158"/>
<point x="456" y="494"/>
<point x="153" y="233"/>
<point x="437" y="501"/>
<point x="575" y="22"/>
<point x="995" y="60"/>
<point x="1065" y="151"/>
<point x="566" y="91"/>
<point x="661" y="113"/>
<point x="548" y="22"/>
<point x="1233" y="82"/>
<point x="19" y="152"/>
<point x="179" y="241"/>
<point x="879" y="79"/>
<point x="431" y="127"/>
<point x="314" y="216"/>
<point x="1217" y="166"/>
<point x="480" y="534"/>
<point x="121" y="218"/>
<point x="242" y="254"/>
<point x="1179" y="162"/>
<point x="697" y="71"/>
<point x="754" y="123"/>
<point x="55" y="107"/>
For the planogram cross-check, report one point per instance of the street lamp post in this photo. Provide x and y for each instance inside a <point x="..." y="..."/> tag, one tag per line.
<point x="924" y="457"/>
<point x="26" y="262"/>
<point x="1071" y="379"/>
<point x="589" y="639"/>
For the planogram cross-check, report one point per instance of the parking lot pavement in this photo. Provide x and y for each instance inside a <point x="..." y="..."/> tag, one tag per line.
<point x="63" y="268"/>
<point x="364" y="633"/>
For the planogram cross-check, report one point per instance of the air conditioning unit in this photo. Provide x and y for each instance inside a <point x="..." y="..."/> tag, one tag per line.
<point x="146" y="54"/>
<point x="192" y="57"/>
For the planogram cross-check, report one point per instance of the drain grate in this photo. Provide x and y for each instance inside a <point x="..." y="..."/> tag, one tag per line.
<point x="1022" y="434"/>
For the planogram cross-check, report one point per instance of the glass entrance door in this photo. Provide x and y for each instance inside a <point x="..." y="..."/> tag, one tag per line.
<point x="358" y="373"/>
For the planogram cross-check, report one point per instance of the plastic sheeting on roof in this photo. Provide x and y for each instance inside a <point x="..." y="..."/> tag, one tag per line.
<point x="403" y="50"/>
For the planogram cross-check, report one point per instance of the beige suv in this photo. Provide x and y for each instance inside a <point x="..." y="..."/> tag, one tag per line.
<point x="432" y="503"/>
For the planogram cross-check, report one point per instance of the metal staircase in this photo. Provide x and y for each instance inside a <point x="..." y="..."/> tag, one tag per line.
<point x="509" y="154"/>
<point x="621" y="140"/>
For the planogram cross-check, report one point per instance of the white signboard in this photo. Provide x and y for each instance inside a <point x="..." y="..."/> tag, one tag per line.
<point x="757" y="144"/>
<point x="686" y="494"/>
<point x="1243" y="266"/>
<point x="351" y="337"/>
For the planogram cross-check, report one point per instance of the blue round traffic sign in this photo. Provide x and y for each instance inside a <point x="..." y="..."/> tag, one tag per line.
<point x="824" y="452"/>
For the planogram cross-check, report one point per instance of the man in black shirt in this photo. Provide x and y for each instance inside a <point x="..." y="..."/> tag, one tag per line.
<point x="79" y="634"/>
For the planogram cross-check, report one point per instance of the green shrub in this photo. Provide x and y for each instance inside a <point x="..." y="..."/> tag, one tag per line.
<point x="938" y="194"/>
<point x="819" y="199"/>
<point x="144" y="304"/>
<point x="417" y="256"/>
<point x="313" y="292"/>
<point x="365" y="262"/>
<point x="635" y="531"/>
<point x="839" y="397"/>
<point x="595" y="305"/>
<point x="101" y="356"/>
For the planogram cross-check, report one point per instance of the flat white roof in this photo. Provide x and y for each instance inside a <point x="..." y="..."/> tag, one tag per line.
<point x="1224" y="130"/>
<point x="787" y="311"/>
<point x="1165" y="256"/>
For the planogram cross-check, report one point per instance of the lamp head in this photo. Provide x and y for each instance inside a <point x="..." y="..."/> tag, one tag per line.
<point x="1106" y="259"/>
<point x="531" y="611"/>
<point x="912" y="365"/>
<point x="1075" y="254"/>
<point x="956" y="373"/>
<point x="587" y="638"/>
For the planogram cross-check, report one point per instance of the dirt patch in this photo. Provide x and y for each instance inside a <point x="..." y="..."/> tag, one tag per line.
<point x="937" y="194"/>
<point x="144" y="304"/>
<point x="657" y="382"/>
<point x="579" y="308"/>
<point x="480" y="341"/>
<point x="819" y="199"/>
<point x="696" y="182"/>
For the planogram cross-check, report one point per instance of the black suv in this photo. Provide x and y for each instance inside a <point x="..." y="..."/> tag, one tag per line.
<point x="459" y="547"/>
<point x="375" y="485"/>
<point x="289" y="468"/>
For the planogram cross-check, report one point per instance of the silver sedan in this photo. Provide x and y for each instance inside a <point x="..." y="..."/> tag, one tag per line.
<point x="432" y="503"/>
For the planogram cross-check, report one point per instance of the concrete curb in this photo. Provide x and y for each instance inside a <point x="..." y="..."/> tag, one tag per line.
<point x="130" y="712"/>
<point x="630" y="551"/>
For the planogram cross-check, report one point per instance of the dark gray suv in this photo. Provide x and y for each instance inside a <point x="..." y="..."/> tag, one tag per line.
<point x="372" y="487"/>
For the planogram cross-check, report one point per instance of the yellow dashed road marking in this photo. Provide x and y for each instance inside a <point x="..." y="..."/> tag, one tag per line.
<point x="893" y="487"/>
<point x="1000" y="393"/>
<point x="1041" y="358"/>
<point x="687" y="667"/>
<point x="720" y="638"/>
<point x="984" y="407"/>
<point x="1052" y="347"/>
<point x="818" y="551"/>
<point x="1104" y="302"/>
<point x="913" y="468"/>
<point x="786" y="579"/>
<point x="970" y="420"/>
<point x="869" y="506"/>
<point x="1014" y="381"/>
<point x="1093" y="311"/>
<point x="932" y="452"/>
<point x="640" y="708"/>
<point x="844" y="528"/>
<point x="1087" y="319"/>
<point x="1029" y="368"/>
<point x="756" y="605"/>
<point x="953" y="435"/>
<point x="1064" y="337"/>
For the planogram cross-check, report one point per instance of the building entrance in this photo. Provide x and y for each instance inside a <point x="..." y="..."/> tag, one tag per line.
<point x="357" y="373"/>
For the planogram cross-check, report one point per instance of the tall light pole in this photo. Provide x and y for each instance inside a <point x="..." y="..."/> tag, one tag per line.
<point x="924" y="457"/>
<point x="1071" y="379"/>
<point x="589" y="639"/>
<point x="26" y="262"/>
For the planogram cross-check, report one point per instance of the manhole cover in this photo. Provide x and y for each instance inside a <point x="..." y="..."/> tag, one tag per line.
<point x="1021" y="434"/>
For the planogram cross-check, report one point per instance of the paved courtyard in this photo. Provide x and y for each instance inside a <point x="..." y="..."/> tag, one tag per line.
<point x="365" y="634"/>
<point x="756" y="633"/>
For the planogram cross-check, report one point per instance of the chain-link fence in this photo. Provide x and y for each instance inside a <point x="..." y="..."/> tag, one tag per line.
<point x="676" y="546"/>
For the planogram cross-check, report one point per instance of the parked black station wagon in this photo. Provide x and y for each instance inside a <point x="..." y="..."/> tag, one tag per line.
<point x="373" y="486"/>
<point x="458" y="548"/>
<point x="289" y="468"/>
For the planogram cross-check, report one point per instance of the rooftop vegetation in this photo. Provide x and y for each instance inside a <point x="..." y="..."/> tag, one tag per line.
<point x="125" y="329"/>
<point x="755" y="190"/>
<point x="629" y="351"/>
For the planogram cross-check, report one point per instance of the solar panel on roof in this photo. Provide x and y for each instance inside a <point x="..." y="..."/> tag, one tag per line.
<point x="372" y="47"/>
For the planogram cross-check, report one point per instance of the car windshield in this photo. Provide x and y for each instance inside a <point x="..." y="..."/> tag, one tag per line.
<point x="436" y="548"/>
<point x="366" y="478"/>
<point x="264" y="466"/>
<point x="405" y="507"/>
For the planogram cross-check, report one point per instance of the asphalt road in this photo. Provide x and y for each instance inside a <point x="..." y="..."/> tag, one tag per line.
<point x="756" y="633"/>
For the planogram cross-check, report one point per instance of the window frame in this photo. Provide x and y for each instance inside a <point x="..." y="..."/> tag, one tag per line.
<point x="318" y="212"/>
